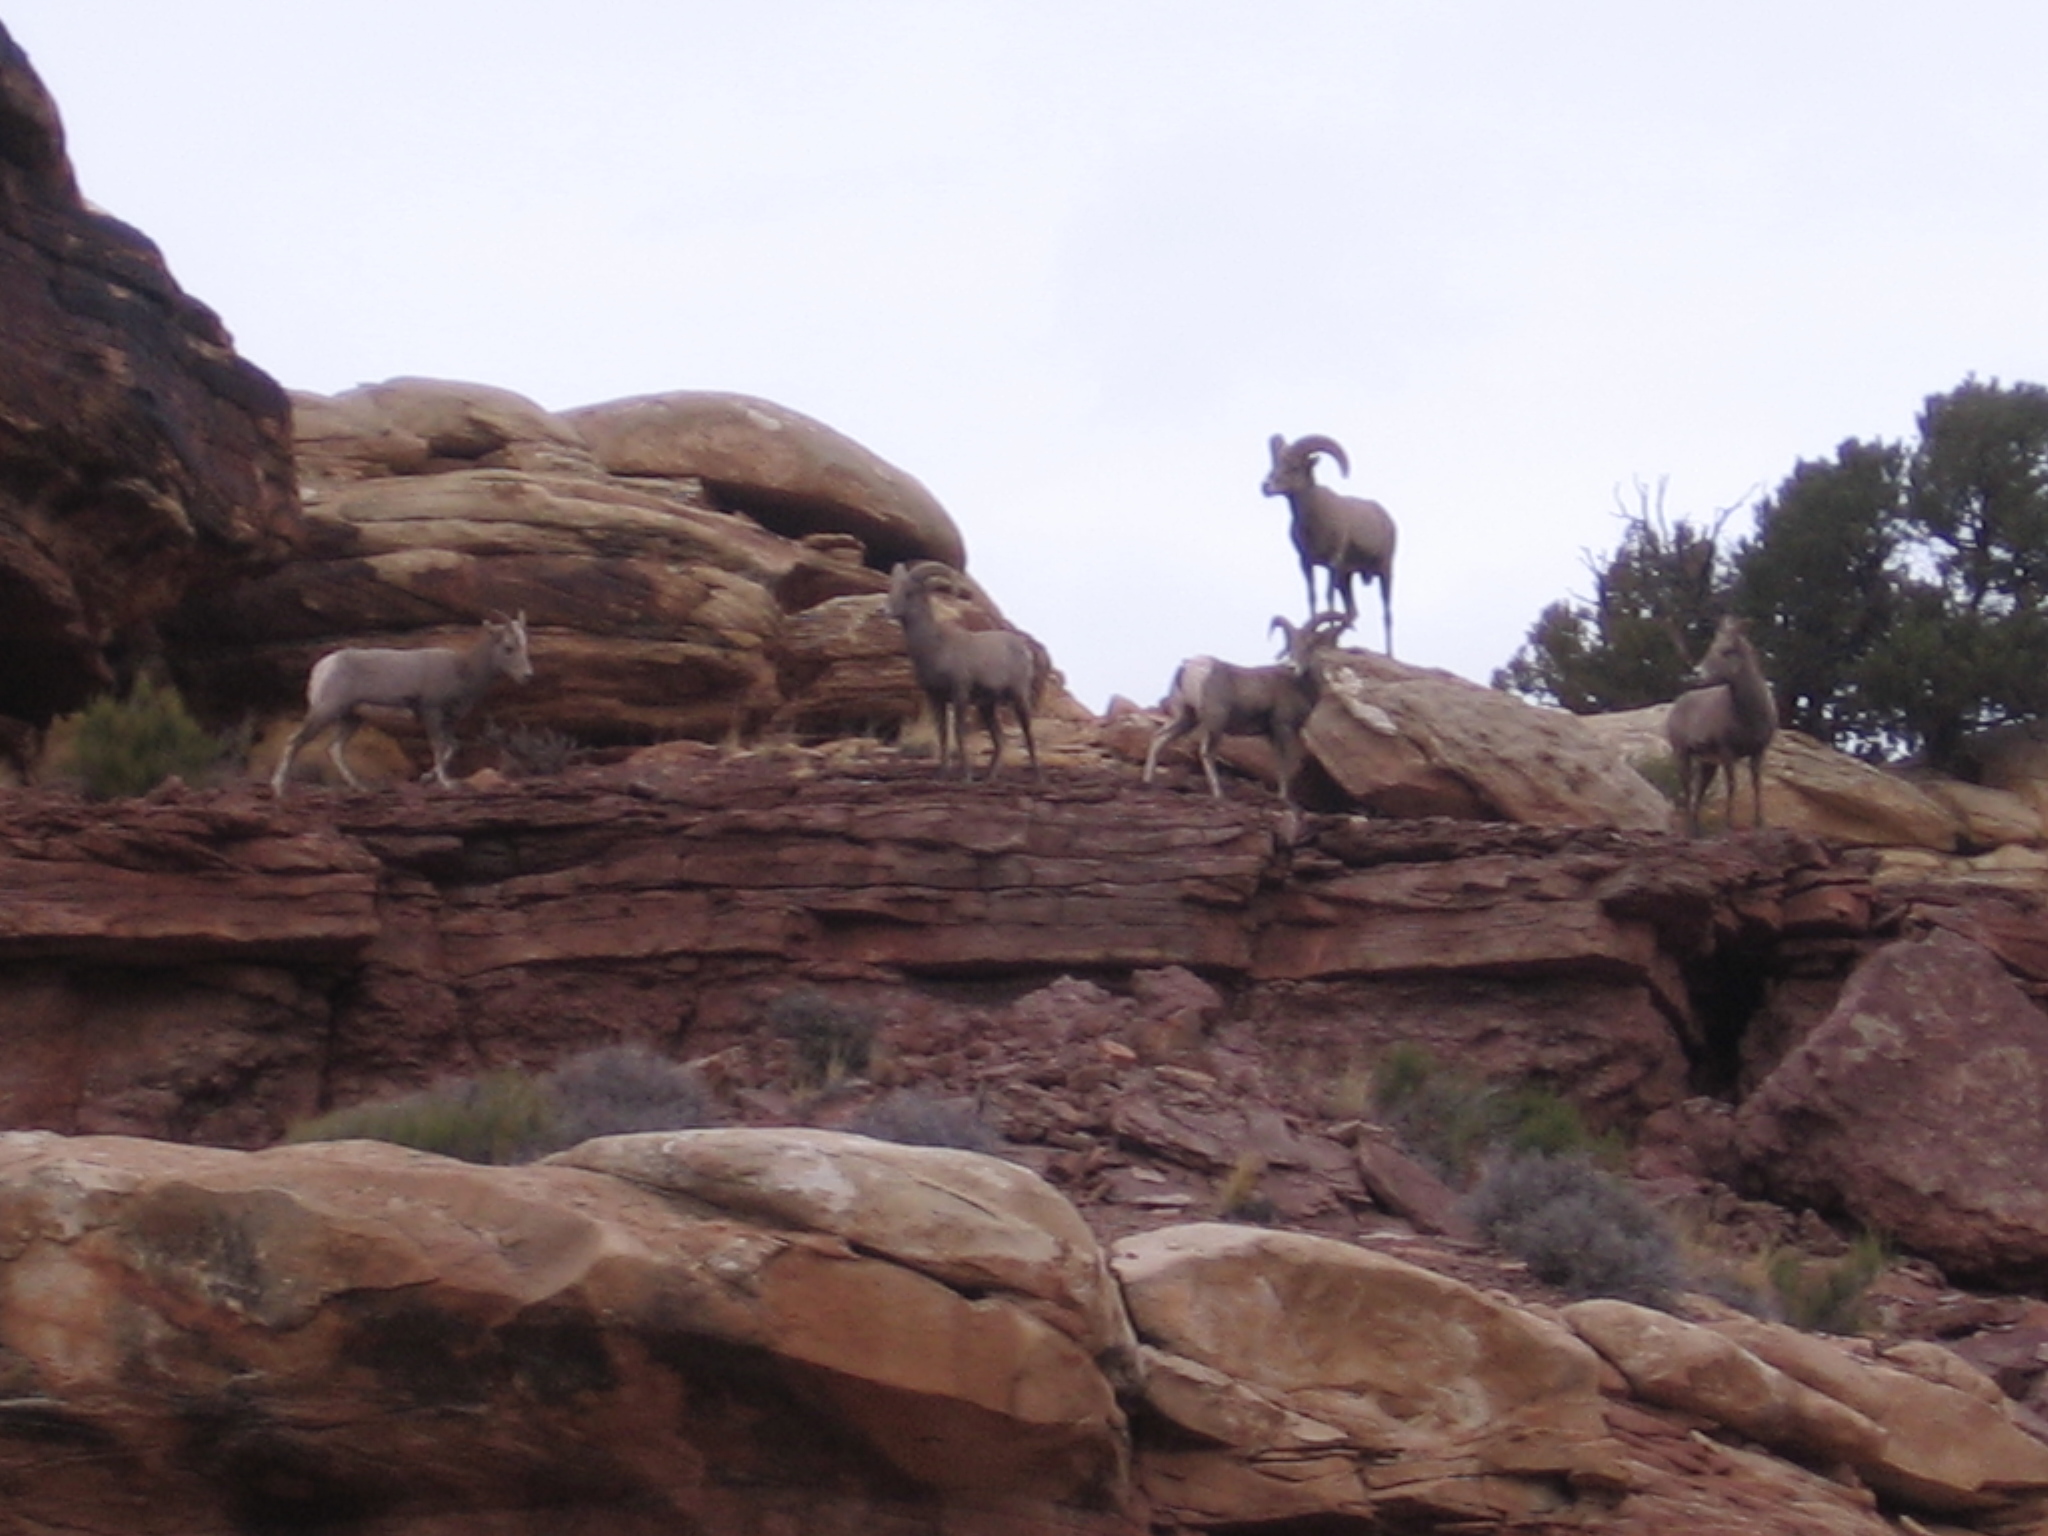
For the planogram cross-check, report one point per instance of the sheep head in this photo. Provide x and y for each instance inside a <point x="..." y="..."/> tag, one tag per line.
<point x="1294" y="463"/>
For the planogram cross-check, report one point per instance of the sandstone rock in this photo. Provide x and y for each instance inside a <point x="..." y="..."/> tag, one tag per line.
<point x="1440" y="1398"/>
<point x="2014" y="759"/>
<point x="791" y="473"/>
<point x="270" y="1340"/>
<point x="1403" y="741"/>
<point x="981" y="1225"/>
<point x="142" y="463"/>
<point x="1945" y="1445"/>
<point x="1814" y="789"/>
<point x="1918" y="1107"/>
<point x="1695" y="1369"/>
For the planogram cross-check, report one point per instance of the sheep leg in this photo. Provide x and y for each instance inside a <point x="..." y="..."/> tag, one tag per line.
<point x="337" y="747"/>
<point x="987" y="708"/>
<point x="441" y="742"/>
<point x="1030" y="746"/>
<point x="1387" y="608"/>
<point x="299" y="738"/>
<point x="1756" y="786"/>
<point x="1287" y="749"/>
<point x="1202" y="750"/>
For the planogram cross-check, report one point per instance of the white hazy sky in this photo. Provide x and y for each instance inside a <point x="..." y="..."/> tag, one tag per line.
<point x="1071" y="262"/>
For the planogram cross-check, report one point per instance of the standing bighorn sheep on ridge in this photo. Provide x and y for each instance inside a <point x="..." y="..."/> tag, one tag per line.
<point x="957" y="667"/>
<point x="439" y="685"/>
<point x="1346" y="535"/>
<point x="1211" y="698"/>
<point x="1725" y="715"/>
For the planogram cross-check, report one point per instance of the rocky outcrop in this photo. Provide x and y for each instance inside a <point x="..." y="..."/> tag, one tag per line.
<point x="1949" y="1446"/>
<point x="1814" y="789"/>
<point x="1406" y="741"/>
<point x="397" y="934"/>
<point x="1919" y="1106"/>
<point x="695" y="1331"/>
<point x="789" y="473"/>
<point x="142" y="463"/>
<point x="656" y="610"/>
<point x="723" y="1331"/>
<point x="1311" y="1378"/>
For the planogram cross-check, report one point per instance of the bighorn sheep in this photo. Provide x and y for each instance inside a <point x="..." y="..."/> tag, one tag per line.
<point x="1211" y="698"/>
<point x="1346" y="535"/>
<point x="957" y="667"/>
<point x="439" y="685"/>
<point x="1725" y="715"/>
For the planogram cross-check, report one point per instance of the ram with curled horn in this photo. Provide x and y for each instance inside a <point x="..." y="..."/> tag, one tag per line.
<point x="1346" y="535"/>
<point x="1211" y="698"/>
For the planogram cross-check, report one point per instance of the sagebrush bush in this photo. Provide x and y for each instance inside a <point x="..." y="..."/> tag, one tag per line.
<point x="920" y="1119"/>
<point x="624" y="1088"/>
<point x="125" y="747"/>
<point x="1577" y="1228"/>
<point x="510" y="1116"/>
<point x="833" y="1040"/>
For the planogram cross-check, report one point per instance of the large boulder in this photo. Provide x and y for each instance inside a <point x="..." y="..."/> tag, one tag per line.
<point x="785" y="470"/>
<point x="658" y="609"/>
<point x="692" y="1332"/>
<point x="1406" y="741"/>
<point x="1812" y="788"/>
<point x="1919" y="1106"/>
<point x="1304" y="1376"/>
<point x="1933" y="1446"/>
<point x="142" y="463"/>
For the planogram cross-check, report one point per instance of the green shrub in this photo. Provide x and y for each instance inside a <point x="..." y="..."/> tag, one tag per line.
<point x="1452" y="1119"/>
<point x="1826" y="1295"/>
<point x="501" y="1117"/>
<point x="920" y="1119"/>
<point x="1577" y="1228"/>
<point x="126" y="747"/>
<point x="1239" y="1198"/>
<point x="510" y="1116"/>
<point x="833" y="1040"/>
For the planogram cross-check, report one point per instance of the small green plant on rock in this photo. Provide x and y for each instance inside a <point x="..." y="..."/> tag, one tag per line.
<point x="1238" y="1197"/>
<point x="1826" y="1295"/>
<point x="500" y="1117"/>
<point x="833" y="1041"/>
<point x="1452" y="1119"/>
<point x="127" y="746"/>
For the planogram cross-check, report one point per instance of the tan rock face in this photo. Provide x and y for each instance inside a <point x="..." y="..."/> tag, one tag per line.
<point x="1932" y="1445"/>
<point x="363" y="1328"/>
<point x="656" y="608"/>
<point x="140" y="458"/>
<point x="1403" y="741"/>
<point x="1813" y="789"/>
<point x="791" y="473"/>
<point x="1294" y="1353"/>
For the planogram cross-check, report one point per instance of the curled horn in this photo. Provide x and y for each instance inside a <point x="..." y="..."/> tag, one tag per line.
<point x="1315" y="443"/>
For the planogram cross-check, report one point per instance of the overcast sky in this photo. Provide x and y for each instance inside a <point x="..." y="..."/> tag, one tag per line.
<point x="1071" y="262"/>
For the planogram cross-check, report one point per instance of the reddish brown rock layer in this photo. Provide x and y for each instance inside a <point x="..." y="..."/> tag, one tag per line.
<point x="141" y="460"/>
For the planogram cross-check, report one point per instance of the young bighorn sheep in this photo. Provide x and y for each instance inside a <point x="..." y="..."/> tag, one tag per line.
<point x="439" y="685"/>
<point x="1726" y="714"/>
<point x="1211" y="698"/>
<point x="1346" y="535"/>
<point x="957" y="667"/>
